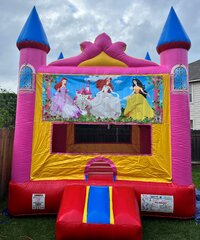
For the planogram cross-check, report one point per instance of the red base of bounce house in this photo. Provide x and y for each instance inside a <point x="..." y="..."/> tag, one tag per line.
<point x="20" y="196"/>
<point x="68" y="199"/>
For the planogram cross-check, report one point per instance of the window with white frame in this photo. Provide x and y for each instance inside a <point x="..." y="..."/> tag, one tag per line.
<point x="26" y="77"/>
<point x="180" y="78"/>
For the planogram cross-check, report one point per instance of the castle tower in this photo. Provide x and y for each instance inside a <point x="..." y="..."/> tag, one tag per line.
<point x="173" y="48"/>
<point x="147" y="57"/>
<point x="60" y="56"/>
<point x="33" y="45"/>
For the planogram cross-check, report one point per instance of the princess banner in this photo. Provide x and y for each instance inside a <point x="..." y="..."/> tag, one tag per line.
<point x="84" y="98"/>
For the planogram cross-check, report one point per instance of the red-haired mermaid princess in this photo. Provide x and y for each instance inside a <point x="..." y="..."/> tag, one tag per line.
<point x="105" y="104"/>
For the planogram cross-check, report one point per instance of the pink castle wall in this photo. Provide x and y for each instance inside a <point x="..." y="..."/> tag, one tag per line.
<point x="180" y="136"/>
<point x="180" y="122"/>
<point x="22" y="149"/>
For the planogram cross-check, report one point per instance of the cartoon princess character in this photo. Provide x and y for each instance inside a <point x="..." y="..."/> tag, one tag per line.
<point x="105" y="104"/>
<point x="62" y="104"/>
<point x="137" y="106"/>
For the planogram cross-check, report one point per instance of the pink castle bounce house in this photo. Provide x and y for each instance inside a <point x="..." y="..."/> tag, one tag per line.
<point x="102" y="138"/>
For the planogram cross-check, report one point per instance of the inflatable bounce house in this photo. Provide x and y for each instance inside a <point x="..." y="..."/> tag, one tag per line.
<point x="102" y="138"/>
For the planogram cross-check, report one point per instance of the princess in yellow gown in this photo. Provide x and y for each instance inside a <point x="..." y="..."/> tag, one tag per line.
<point x="137" y="106"/>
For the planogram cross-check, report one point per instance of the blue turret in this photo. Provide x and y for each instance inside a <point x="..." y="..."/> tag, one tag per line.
<point x="32" y="34"/>
<point x="173" y="34"/>
<point x="147" y="57"/>
<point x="60" y="56"/>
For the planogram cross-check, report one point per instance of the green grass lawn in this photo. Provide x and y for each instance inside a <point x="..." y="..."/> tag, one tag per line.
<point x="196" y="176"/>
<point x="43" y="228"/>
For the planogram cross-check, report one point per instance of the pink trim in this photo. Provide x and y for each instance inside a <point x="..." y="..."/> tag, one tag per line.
<point x="104" y="70"/>
<point x="22" y="148"/>
<point x="103" y="43"/>
<point x="180" y="135"/>
<point x="108" y="161"/>
<point x="97" y="153"/>
<point x="114" y="143"/>
<point x="180" y="122"/>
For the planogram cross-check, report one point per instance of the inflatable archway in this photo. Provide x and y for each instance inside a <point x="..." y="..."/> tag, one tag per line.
<point x="102" y="138"/>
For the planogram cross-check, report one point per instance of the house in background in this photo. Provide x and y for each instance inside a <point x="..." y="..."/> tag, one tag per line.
<point x="194" y="84"/>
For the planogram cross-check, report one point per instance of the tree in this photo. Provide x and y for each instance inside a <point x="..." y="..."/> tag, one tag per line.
<point x="7" y="108"/>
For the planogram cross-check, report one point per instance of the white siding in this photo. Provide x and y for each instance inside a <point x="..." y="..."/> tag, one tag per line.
<point x="195" y="105"/>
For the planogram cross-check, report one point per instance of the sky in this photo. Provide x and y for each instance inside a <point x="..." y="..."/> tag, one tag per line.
<point x="68" y="23"/>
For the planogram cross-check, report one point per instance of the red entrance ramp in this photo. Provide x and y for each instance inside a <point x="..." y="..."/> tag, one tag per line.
<point x="101" y="212"/>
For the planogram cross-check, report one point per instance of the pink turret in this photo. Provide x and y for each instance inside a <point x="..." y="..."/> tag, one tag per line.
<point x="173" y="48"/>
<point x="33" y="46"/>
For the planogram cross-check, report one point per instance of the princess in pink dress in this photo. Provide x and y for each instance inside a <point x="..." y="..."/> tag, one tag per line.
<point x="62" y="104"/>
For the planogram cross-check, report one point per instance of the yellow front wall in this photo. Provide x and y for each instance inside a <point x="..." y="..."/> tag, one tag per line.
<point x="154" y="168"/>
